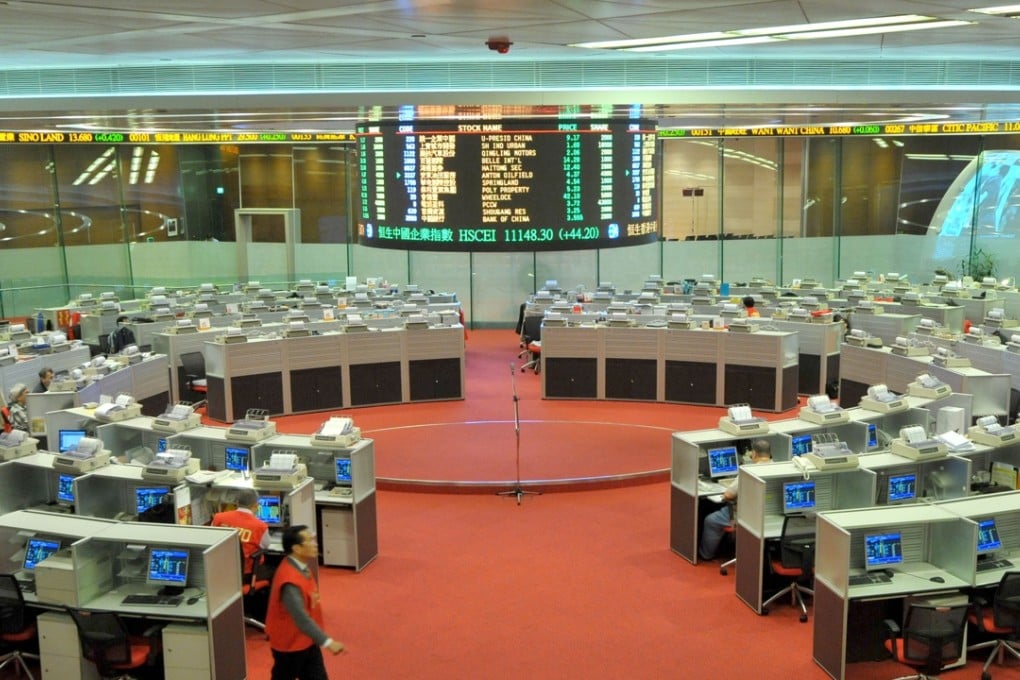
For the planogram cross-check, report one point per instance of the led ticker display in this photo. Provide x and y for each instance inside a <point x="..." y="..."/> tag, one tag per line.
<point x="171" y="137"/>
<point x="507" y="185"/>
<point x="977" y="127"/>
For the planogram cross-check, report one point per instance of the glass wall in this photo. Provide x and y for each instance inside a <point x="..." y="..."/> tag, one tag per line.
<point x="78" y="217"/>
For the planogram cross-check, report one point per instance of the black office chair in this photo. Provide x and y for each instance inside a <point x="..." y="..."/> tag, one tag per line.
<point x="795" y="561"/>
<point x="531" y="341"/>
<point x="194" y="376"/>
<point x="255" y="581"/>
<point x="105" y="642"/>
<point x="931" y="638"/>
<point x="18" y="637"/>
<point x="1000" y="620"/>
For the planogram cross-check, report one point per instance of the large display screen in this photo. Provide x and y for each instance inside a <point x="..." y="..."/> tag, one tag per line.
<point x="507" y="185"/>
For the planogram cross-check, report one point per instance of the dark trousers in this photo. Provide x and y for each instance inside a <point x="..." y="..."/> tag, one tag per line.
<point x="304" y="665"/>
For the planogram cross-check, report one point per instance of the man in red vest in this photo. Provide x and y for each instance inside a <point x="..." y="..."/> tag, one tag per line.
<point x="294" y="619"/>
<point x="253" y="532"/>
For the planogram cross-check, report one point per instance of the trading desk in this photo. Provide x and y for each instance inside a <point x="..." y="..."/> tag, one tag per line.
<point x="345" y="516"/>
<point x="30" y="482"/>
<point x="335" y="370"/>
<point x="102" y="561"/>
<point x="847" y="617"/>
<point x="663" y="364"/>
<point x="1004" y="508"/>
<point x="760" y="514"/>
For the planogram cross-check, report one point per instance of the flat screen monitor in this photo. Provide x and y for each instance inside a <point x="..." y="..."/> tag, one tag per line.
<point x="37" y="550"/>
<point x="801" y="445"/>
<point x="167" y="567"/>
<point x="269" y="510"/>
<point x="902" y="488"/>
<point x="988" y="536"/>
<point x="798" y="497"/>
<point x="65" y="488"/>
<point x="343" y="471"/>
<point x="149" y="496"/>
<point x="882" y="550"/>
<point x="872" y="436"/>
<point x="161" y="445"/>
<point x="236" y="459"/>
<point x="723" y="462"/>
<point x="67" y="440"/>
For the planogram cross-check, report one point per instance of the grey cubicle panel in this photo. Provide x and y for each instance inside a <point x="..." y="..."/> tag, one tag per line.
<point x="991" y="391"/>
<point x="18" y="526"/>
<point x="1004" y="508"/>
<point x="77" y="418"/>
<point x="937" y="479"/>
<point x="41" y="403"/>
<point x="132" y="439"/>
<point x="27" y="482"/>
<point x="109" y="491"/>
<point x="27" y="371"/>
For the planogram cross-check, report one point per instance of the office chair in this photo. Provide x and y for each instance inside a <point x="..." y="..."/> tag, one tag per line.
<point x="255" y="584"/>
<point x="531" y="341"/>
<point x="1001" y="621"/>
<point x="106" y="643"/>
<point x="795" y="561"/>
<point x="17" y="628"/>
<point x="931" y="638"/>
<point x="194" y="374"/>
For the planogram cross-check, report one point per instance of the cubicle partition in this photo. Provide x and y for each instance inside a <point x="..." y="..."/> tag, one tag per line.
<point x="662" y="364"/>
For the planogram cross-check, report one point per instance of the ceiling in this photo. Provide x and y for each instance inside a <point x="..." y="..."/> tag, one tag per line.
<point x="322" y="64"/>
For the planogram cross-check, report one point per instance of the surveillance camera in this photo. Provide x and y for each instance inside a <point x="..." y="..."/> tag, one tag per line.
<point x="501" y="45"/>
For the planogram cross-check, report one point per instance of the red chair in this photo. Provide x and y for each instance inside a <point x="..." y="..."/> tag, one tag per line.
<point x="1000" y="620"/>
<point x="795" y="562"/>
<point x="106" y="643"/>
<point x="17" y="629"/>
<point x="194" y="376"/>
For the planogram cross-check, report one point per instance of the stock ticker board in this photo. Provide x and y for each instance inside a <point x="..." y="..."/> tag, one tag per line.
<point x="507" y="185"/>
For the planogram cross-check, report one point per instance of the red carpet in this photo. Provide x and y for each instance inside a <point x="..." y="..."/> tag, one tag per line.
<point x="575" y="584"/>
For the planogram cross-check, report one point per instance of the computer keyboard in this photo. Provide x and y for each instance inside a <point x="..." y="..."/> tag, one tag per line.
<point x="342" y="491"/>
<point x="868" y="579"/>
<point x="153" y="600"/>
<point x="708" y="488"/>
<point x="989" y="565"/>
<point x="27" y="586"/>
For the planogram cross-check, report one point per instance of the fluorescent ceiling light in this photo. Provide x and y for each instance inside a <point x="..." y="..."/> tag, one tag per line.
<point x="640" y="42"/>
<point x="1007" y="10"/>
<point x="835" y="25"/>
<point x="755" y="40"/>
<point x="755" y="36"/>
<point x="846" y="32"/>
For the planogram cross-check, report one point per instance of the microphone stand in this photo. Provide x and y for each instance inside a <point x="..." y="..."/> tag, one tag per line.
<point x="517" y="491"/>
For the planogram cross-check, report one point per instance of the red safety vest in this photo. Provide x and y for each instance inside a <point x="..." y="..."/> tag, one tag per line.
<point x="284" y="635"/>
<point x="250" y="529"/>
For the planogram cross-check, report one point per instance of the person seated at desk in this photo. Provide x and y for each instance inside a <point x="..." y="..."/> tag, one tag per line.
<point x="17" y="414"/>
<point x="253" y="532"/>
<point x="45" y="378"/>
<point x="717" y="522"/>
<point x="749" y="306"/>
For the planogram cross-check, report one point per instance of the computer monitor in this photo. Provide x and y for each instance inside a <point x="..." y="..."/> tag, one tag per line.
<point x="65" y="488"/>
<point x="988" y="537"/>
<point x="161" y="445"/>
<point x="872" y="436"/>
<point x="269" y="510"/>
<point x="343" y="471"/>
<point x="882" y="550"/>
<point x="149" y="496"/>
<point x="37" y="550"/>
<point x="798" y="497"/>
<point x="801" y="444"/>
<point x="168" y="568"/>
<point x="902" y="488"/>
<point x="67" y="440"/>
<point x="723" y="462"/>
<point x="236" y="459"/>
